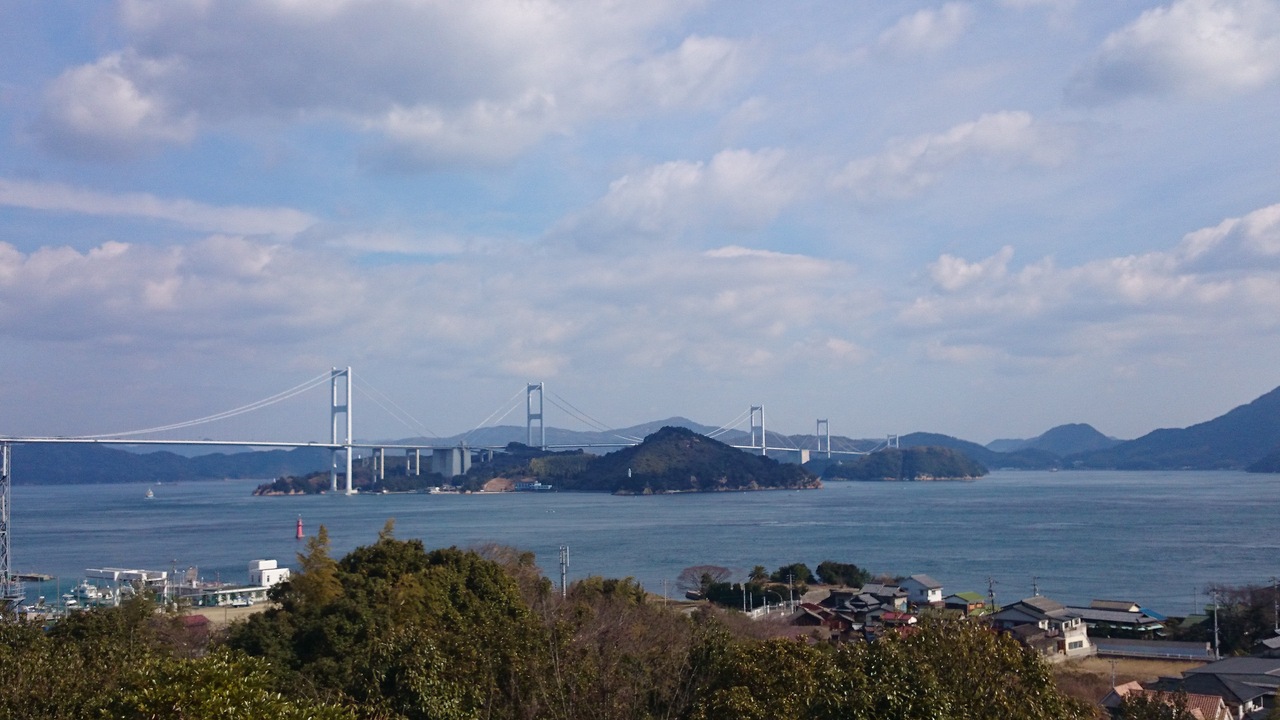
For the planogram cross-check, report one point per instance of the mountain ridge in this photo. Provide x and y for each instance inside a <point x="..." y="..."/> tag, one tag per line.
<point x="1245" y="437"/>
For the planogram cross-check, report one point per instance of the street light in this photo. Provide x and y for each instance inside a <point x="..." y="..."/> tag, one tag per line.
<point x="775" y="592"/>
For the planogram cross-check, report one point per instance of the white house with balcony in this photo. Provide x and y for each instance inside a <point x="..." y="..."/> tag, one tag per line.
<point x="922" y="590"/>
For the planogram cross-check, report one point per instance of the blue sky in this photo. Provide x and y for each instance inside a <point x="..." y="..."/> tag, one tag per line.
<point x="977" y="218"/>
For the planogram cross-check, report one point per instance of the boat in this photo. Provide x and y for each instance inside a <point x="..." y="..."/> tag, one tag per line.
<point x="149" y="494"/>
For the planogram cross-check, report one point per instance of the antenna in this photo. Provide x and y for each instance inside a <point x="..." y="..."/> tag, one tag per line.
<point x="564" y="571"/>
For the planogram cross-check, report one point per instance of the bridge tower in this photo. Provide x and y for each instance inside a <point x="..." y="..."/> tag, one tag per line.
<point x="10" y="588"/>
<point x="758" y="410"/>
<point x="823" y="433"/>
<point x="530" y="416"/>
<point x="340" y="405"/>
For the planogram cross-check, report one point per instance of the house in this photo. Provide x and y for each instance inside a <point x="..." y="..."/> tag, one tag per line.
<point x="1062" y="636"/>
<point x="969" y="603"/>
<point x="1117" y="605"/>
<point x="1268" y="648"/>
<point x="891" y="595"/>
<point x="922" y="590"/>
<point x="1240" y="698"/>
<point x="1201" y="707"/>
<point x="1254" y="681"/>
<point x="1130" y="622"/>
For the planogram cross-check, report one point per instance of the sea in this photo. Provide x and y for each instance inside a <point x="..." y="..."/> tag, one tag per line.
<point x="1160" y="539"/>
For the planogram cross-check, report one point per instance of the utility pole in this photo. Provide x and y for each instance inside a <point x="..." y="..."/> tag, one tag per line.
<point x="564" y="571"/>
<point x="1035" y="587"/>
<point x="991" y="593"/>
<point x="1217" y="652"/>
<point x="1275" y="603"/>
<point x="791" y="591"/>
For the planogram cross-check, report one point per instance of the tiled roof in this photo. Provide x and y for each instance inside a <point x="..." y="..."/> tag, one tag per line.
<point x="927" y="581"/>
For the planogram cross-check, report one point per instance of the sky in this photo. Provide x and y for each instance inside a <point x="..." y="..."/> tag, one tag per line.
<point x="978" y="218"/>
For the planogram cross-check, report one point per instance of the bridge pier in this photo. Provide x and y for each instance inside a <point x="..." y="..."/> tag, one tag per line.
<point x="413" y="462"/>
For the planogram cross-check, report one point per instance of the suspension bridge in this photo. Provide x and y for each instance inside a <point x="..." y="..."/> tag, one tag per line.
<point x="448" y="459"/>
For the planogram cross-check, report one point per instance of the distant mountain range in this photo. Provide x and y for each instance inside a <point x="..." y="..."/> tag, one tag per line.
<point x="1246" y="438"/>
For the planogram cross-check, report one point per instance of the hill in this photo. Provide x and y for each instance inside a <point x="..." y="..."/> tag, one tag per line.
<point x="915" y="463"/>
<point x="676" y="459"/>
<point x="1027" y="459"/>
<point x="501" y="435"/>
<point x="1234" y="441"/>
<point x="1062" y="440"/>
<point x="73" y="464"/>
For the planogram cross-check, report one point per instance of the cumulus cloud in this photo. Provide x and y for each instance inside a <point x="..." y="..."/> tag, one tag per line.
<point x="738" y="189"/>
<point x="57" y="197"/>
<point x="435" y="82"/>
<point x="524" y="312"/>
<point x="1190" y="48"/>
<point x="909" y="165"/>
<point x="107" y="109"/>
<point x="1217" y="281"/>
<point x="927" y="31"/>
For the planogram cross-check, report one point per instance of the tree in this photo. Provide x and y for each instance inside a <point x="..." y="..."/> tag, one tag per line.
<point x="831" y="572"/>
<point x="939" y="670"/>
<point x="1154" y="706"/>
<point x="316" y="581"/>
<point x="698" y="577"/>
<point x="793" y="574"/>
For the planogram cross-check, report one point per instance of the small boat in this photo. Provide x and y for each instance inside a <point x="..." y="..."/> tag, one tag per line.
<point x="149" y="494"/>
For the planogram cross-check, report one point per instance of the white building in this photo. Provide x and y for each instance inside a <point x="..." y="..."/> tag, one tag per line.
<point x="922" y="590"/>
<point x="265" y="573"/>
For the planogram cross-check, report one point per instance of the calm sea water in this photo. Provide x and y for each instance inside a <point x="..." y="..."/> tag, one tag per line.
<point x="1155" y="537"/>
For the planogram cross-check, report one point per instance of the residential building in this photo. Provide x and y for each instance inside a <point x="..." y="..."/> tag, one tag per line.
<point x="922" y="590"/>
<point x="1061" y="634"/>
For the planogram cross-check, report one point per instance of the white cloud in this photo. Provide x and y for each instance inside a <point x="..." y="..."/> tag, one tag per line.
<point x="910" y="165"/>
<point x="738" y="189"/>
<point x="951" y="273"/>
<point x="927" y="31"/>
<point x="521" y="312"/>
<point x="437" y="82"/>
<point x="1218" y="282"/>
<point x="1191" y="48"/>
<point x="56" y="197"/>
<point x="105" y="109"/>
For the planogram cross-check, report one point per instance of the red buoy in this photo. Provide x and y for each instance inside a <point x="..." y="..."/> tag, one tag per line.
<point x="299" y="527"/>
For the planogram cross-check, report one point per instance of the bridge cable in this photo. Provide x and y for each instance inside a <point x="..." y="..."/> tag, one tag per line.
<point x="257" y="405"/>
<point x="510" y="402"/>
<point x="399" y="413"/>
<point x="598" y="427"/>
<point x="731" y="425"/>
<point x="590" y="421"/>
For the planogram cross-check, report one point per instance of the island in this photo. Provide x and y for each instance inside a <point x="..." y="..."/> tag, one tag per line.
<point x="671" y="460"/>
<point x="912" y="464"/>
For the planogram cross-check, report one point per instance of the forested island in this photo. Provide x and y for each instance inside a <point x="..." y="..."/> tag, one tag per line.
<point x="909" y="464"/>
<point x="671" y="460"/>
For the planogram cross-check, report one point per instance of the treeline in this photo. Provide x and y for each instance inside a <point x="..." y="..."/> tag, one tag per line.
<point x="393" y="630"/>
<point x="918" y="463"/>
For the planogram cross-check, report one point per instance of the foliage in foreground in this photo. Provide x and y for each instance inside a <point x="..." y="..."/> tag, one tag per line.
<point x="393" y="630"/>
